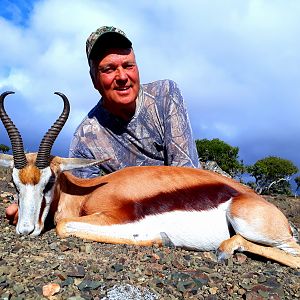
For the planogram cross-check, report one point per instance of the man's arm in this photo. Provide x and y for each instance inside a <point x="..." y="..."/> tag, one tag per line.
<point x="79" y="149"/>
<point x="179" y="141"/>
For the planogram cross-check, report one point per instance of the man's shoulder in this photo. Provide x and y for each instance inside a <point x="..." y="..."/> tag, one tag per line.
<point x="89" y="119"/>
<point x="163" y="92"/>
<point x="159" y="86"/>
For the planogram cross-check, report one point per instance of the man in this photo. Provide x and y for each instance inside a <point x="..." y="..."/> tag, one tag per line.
<point x="132" y="124"/>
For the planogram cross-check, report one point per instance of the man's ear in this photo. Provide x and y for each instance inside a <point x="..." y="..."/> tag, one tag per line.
<point x="6" y="161"/>
<point x="93" y="72"/>
<point x="93" y="79"/>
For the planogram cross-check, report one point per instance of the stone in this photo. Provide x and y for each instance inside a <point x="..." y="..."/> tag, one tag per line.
<point x="87" y="285"/>
<point x="129" y="292"/>
<point x="88" y="248"/>
<point x="117" y="267"/>
<point x="68" y="281"/>
<point x="76" y="271"/>
<point x="5" y="296"/>
<point x="213" y="290"/>
<point x="51" y="289"/>
<point x="18" y="288"/>
<point x="240" y="258"/>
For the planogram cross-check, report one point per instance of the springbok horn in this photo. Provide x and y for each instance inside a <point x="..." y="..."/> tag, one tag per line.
<point x="43" y="156"/>
<point x="20" y="160"/>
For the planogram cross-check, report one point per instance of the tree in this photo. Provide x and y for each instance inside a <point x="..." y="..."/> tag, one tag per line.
<point x="272" y="175"/>
<point x="4" y="148"/>
<point x="222" y="153"/>
<point x="297" y="180"/>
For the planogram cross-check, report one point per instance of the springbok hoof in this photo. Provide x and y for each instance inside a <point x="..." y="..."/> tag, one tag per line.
<point x="222" y="256"/>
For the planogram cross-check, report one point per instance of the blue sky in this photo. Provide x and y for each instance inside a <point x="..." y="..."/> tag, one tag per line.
<point x="236" y="62"/>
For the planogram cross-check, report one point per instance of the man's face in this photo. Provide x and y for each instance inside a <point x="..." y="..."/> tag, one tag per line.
<point x="116" y="77"/>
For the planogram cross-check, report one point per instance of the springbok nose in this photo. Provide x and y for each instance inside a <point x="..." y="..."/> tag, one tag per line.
<point x="25" y="229"/>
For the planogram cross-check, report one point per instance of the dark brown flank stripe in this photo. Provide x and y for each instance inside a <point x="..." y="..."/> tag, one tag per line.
<point x="195" y="198"/>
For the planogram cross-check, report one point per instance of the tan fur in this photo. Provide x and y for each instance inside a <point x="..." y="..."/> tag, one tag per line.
<point x="273" y="253"/>
<point x="30" y="175"/>
<point x="253" y="208"/>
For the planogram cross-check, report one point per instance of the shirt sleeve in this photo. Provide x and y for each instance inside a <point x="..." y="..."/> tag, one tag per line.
<point x="180" y="145"/>
<point x="79" y="149"/>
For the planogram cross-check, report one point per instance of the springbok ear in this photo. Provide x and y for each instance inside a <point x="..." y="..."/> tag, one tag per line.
<point x="67" y="164"/>
<point x="6" y="160"/>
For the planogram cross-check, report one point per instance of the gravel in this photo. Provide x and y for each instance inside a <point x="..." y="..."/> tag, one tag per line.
<point x="47" y="267"/>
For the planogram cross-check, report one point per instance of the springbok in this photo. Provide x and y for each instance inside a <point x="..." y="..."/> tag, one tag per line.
<point x="182" y="206"/>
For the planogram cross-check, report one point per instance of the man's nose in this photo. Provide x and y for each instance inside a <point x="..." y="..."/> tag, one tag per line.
<point x="121" y="74"/>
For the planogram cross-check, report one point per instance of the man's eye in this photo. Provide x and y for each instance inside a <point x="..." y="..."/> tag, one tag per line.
<point x="129" y="66"/>
<point x="106" y="70"/>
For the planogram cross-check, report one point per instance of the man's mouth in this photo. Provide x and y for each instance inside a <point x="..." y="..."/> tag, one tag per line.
<point x="124" y="88"/>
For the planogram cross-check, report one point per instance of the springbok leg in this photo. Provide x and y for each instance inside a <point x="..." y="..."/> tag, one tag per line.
<point x="237" y="242"/>
<point x="101" y="228"/>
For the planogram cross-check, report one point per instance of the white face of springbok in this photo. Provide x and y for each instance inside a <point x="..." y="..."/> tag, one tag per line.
<point x="34" y="199"/>
<point x="35" y="188"/>
<point x="34" y="174"/>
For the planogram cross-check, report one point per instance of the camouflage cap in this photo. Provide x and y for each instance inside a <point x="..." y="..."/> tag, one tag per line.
<point x="104" y="38"/>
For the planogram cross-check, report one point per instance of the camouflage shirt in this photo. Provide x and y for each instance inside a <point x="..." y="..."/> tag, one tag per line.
<point x="159" y="133"/>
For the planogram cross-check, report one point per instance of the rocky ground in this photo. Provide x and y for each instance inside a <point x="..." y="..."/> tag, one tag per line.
<point x="47" y="267"/>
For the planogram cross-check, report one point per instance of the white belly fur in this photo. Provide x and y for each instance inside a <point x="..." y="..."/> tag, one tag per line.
<point x="202" y="230"/>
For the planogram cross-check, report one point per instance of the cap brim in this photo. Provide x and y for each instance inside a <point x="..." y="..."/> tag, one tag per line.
<point x="109" y="40"/>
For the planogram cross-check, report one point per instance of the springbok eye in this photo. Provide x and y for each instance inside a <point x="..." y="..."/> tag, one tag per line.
<point x="49" y="185"/>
